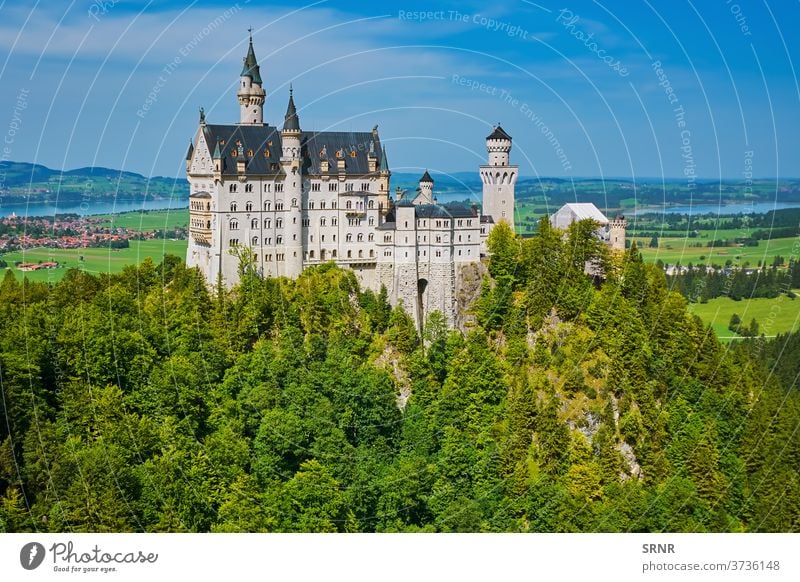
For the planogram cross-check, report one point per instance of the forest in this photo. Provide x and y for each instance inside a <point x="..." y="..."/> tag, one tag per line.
<point x="145" y="401"/>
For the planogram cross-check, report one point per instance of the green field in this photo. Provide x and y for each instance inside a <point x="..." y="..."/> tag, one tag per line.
<point x="148" y="220"/>
<point x="774" y="316"/>
<point x="674" y="250"/>
<point x="96" y="260"/>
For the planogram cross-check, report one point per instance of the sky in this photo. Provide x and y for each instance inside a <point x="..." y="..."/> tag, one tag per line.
<point x="638" y="89"/>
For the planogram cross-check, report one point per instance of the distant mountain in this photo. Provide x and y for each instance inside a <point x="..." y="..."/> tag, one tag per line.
<point x="21" y="181"/>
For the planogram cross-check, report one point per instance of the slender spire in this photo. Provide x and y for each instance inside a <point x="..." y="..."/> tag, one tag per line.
<point x="291" y="121"/>
<point x="250" y="67"/>
<point x="190" y="152"/>
<point x="384" y="162"/>
<point x="217" y="154"/>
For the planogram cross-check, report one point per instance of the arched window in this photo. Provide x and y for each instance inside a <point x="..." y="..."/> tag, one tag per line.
<point x="360" y="237"/>
<point x="371" y="204"/>
<point x="232" y="187"/>
<point x="294" y="201"/>
<point x="254" y="223"/>
<point x="234" y="224"/>
<point x="333" y="204"/>
<point x="349" y="205"/>
<point x="267" y="205"/>
<point x="333" y="253"/>
<point x="371" y="237"/>
<point x="372" y="221"/>
<point x="349" y="254"/>
<point x="371" y="253"/>
<point x="322" y="221"/>
<point x="267" y="223"/>
<point x="349" y="237"/>
<point x="248" y="206"/>
<point x="255" y="241"/>
<point x="233" y="206"/>
<point x="360" y="254"/>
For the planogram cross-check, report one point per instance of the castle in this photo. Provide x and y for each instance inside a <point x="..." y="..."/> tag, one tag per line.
<point x="295" y="198"/>
<point x="291" y="198"/>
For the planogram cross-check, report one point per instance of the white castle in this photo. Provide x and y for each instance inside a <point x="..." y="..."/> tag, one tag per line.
<point x="295" y="198"/>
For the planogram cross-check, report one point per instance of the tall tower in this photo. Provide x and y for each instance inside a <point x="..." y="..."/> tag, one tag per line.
<point x="499" y="178"/>
<point x="293" y="190"/>
<point x="251" y="96"/>
<point x="616" y="233"/>
<point x="425" y="189"/>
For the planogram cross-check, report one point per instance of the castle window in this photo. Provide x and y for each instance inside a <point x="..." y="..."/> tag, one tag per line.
<point x="279" y="187"/>
<point x="310" y="254"/>
<point x="294" y="237"/>
<point x="406" y="224"/>
<point x="333" y="253"/>
<point x="333" y="204"/>
<point x="365" y="186"/>
<point x="469" y="237"/>
<point x="255" y="241"/>
<point x="311" y="238"/>
<point x="334" y="221"/>
<point x="267" y="223"/>
<point x="438" y="253"/>
<point x="322" y="238"/>
<point x="349" y="205"/>
<point x="311" y="205"/>
<point x="233" y="206"/>
<point x="459" y="252"/>
<point x="250" y="153"/>
<point x="333" y="186"/>
<point x="306" y="221"/>
<point x="268" y="257"/>
<point x="279" y="223"/>
<point x="360" y="237"/>
<point x="387" y="238"/>
<point x="294" y="202"/>
<point x="232" y="187"/>
<point x="315" y="187"/>
<point x="234" y="224"/>
<point x="349" y="254"/>
<point x="267" y="241"/>
<point x="248" y="206"/>
<point x="334" y="238"/>
<point x="503" y="213"/>
<point x="349" y="237"/>
<point x="372" y="221"/>
<point x="254" y="223"/>
<point x="360" y="254"/>
<point x="267" y="206"/>
<point x="353" y="153"/>
<point x="233" y="242"/>
<point x="459" y="238"/>
<point x="322" y="221"/>
<point x="371" y="204"/>
<point x="348" y="187"/>
<point x="469" y="222"/>
<point x="279" y="240"/>
<point x="371" y="237"/>
<point x="387" y="253"/>
<point x="438" y="239"/>
<point x="248" y="187"/>
<point x="322" y="204"/>
<point x="460" y="222"/>
<point x="294" y="220"/>
<point x="279" y="206"/>
<point x="267" y="187"/>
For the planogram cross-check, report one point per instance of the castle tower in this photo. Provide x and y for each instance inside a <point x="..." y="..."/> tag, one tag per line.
<point x="251" y="95"/>
<point x="292" y="191"/>
<point x="425" y="189"/>
<point x="499" y="178"/>
<point x="616" y="233"/>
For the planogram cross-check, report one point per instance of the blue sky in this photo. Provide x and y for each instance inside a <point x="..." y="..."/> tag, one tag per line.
<point x="577" y="84"/>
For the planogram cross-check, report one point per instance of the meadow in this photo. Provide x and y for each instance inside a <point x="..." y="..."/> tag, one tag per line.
<point x="774" y="316"/>
<point x="148" y="220"/>
<point x="95" y="260"/>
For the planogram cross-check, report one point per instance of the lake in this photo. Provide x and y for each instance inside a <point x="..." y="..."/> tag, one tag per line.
<point x="720" y="209"/>
<point x="96" y="207"/>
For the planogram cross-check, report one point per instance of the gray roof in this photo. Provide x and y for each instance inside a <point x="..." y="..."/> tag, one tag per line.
<point x="326" y="144"/>
<point x="200" y="195"/>
<point x="290" y="119"/>
<point x="426" y="177"/>
<point x="387" y="226"/>
<point x="498" y="133"/>
<point x="190" y="152"/>
<point x="265" y="143"/>
<point x="453" y="210"/>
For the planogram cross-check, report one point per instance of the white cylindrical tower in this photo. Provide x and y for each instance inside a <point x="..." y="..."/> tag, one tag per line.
<point x="250" y="94"/>
<point x="425" y="189"/>
<point x="293" y="190"/>
<point x="499" y="178"/>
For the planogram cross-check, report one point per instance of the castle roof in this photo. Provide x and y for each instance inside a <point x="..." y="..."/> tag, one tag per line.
<point x="584" y="210"/>
<point x="250" y="67"/>
<point x="291" y="122"/>
<point x="387" y="226"/>
<point x="426" y="177"/>
<point x="200" y="195"/>
<point x="498" y="133"/>
<point x="260" y="146"/>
